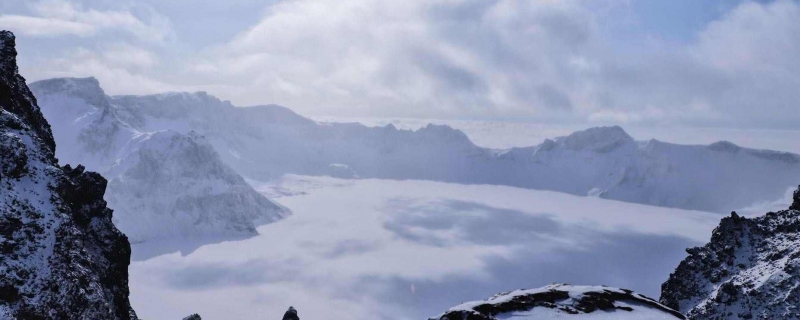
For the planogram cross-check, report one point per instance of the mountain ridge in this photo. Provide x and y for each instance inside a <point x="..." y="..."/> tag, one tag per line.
<point x="266" y="142"/>
<point x="164" y="183"/>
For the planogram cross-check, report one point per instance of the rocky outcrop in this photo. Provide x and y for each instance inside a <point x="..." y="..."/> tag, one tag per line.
<point x="60" y="255"/>
<point x="562" y="300"/>
<point x="291" y="314"/>
<point x="749" y="270"/>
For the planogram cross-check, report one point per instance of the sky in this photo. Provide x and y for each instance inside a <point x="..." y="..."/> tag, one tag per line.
<point x="718" y="63"/>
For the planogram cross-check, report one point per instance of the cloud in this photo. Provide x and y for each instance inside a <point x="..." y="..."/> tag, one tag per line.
<point x="567" y="62"/>
<point x="60" y="17"/>
<point x="544" y="60"/>
<point x="121" y="68"/>
<point x="445" y="57"/>
<point x="36" y="26"/>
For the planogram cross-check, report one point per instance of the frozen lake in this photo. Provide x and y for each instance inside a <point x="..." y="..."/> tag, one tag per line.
<point x="381" y="249"/>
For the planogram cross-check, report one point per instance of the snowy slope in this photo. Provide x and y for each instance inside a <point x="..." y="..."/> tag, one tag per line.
<point x="162" y="184"/>
<point x="179" y="180"/>
<point x="60" y="255"/>
<point x="562" y="301"/>
<point x="749" y="270"/>
<point x="265" y="142"/>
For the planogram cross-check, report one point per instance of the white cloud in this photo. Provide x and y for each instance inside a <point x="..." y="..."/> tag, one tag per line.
<point x="60" y="17"/>
<point x="446" y="58"/>
<point x="36" y="26"/>
<point x="548" y="61"/>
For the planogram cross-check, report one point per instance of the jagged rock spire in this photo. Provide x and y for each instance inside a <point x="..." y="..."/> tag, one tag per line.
<point x="291" y="314"/>
<point x="15" y="97"/>
<point x="796" y="200"/>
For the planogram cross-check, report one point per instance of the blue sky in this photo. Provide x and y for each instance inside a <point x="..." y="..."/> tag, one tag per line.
<point x="672" y="62"/>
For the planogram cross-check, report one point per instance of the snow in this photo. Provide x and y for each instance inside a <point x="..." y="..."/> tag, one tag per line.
<point x="353" y="249"/>
<point x="266" y="142"/>
<point x="575" y="293"/>
<point x="162" y="183"/>
<point x="505" y="134"/>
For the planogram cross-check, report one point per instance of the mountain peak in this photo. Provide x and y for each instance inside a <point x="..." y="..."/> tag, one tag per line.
<point x="15" y="97"/>
<point x="725" y="146"/>
<point x="87" y="89"/>
<point x="600" y="139"/>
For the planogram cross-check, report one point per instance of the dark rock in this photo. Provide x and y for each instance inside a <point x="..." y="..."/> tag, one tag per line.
<point x="557" y="297"/>
<point x="748" y="270"/>
<point x="193" y="317"/>
<point x="15" y="97"/>
<point x="61" y="256"/>
<point x="291" y="314"/>
<point x="795" y="200"/>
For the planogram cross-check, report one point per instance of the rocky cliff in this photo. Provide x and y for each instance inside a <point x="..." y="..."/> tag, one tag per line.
<point x="62" y="258"/>
<point x="749" y="270"/>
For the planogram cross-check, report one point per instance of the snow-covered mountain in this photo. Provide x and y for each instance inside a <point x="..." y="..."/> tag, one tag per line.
<point x="558" y="301"/>
<point x="265" y="142"/>
<point x="60" y="255"/>
<point x="162" y="184"/>
<point x="749" y="270"/>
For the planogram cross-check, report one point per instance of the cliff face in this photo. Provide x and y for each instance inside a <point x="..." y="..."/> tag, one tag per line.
<point x="62" y="258"/>
<point x="749" y="270"/>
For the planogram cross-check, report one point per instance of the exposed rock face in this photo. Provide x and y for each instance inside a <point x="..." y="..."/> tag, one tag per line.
<point x="749" y="270"/>
<point x="60" y="255"/>
<point x="291" y="314"/>
<point x="193" y="317"/>
<point x="562" y="300"/>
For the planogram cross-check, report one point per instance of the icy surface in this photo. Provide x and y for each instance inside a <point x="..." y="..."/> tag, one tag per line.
<point x="162" y="184"/>
<point x="265" y="142"/>
<point x="385" y="249"/>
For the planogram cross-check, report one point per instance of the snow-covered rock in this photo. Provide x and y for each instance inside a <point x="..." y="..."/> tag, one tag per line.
<point x="749" y="270"/>
<point x="266" y="142"/>
<point x="60" y="255"/>
<point x="558" y="301"/>
<point x="162" y="184"/>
